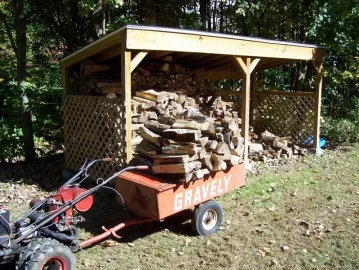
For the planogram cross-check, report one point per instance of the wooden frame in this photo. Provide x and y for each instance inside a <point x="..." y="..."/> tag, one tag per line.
<point x="201" y="50"/>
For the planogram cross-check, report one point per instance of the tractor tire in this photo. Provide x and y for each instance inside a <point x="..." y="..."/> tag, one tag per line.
<point x="52" y="256"/>
<point x="207" y="218"/>
<point x="31" y="248"/>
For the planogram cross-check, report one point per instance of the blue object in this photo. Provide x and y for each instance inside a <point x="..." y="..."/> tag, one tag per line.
<point x="309" y="140"/>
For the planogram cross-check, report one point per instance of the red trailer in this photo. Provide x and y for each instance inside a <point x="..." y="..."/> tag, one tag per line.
<point x="158" y="197"/>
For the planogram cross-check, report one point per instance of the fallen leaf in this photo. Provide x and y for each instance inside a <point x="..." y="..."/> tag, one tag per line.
<point x="247" y="213"/>
<point x="272" y="209"/>
<point x="267" y="251"/>
<point x="304" y="224"/>
<point x="272" y="242"/>
<point x="259" y="230"/>
<point x="109" y="243"/>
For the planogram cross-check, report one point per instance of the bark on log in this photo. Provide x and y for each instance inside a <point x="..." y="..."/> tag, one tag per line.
<point x="150" y="136"/>
<point x="176" y="168"/>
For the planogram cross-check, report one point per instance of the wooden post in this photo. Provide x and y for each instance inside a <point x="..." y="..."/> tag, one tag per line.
<point x="318" y="65"/>
<point x="247" y="66"/>
<point x="66" y="80"/>
<point x="126" y="95"/>
<point x="252" y="97"/>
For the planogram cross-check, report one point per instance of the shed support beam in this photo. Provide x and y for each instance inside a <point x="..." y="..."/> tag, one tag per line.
<point x="126" y="95"/>
<point x="318" y="65"/>
<point x="247" y="65"/>
<point x="252" y="97"/>
<point x="109" y="53"/>
<point x="66" y="80"/>
<point x="137" y="60"/>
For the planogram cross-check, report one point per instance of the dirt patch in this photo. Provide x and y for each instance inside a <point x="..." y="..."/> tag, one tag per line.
<point x="300" y="216"/>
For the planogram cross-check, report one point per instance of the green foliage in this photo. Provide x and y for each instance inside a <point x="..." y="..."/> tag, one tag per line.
<point x="340" y="130"/>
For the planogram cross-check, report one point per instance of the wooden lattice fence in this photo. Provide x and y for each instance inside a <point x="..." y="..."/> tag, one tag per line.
<point x="94" y="128"/>
<point x="284" y="114"/>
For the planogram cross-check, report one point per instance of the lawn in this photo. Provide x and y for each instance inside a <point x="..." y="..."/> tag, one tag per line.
<point x="299" y="216"/>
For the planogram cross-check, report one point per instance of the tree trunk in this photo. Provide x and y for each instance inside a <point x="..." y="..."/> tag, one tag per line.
<point x="214" y="16"/>
<point x="221" y="18"/>
<point x="20" y="25"/>
<point x="203" y="12"/>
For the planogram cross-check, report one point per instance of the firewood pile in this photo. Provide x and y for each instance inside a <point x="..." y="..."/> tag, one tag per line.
<point x="268" y="147"/>
<point x="101" y="79"/>
<point x="184" y="138"/>
<point x="182" y="128"/>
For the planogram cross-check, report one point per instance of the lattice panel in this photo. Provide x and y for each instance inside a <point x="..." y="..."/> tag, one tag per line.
<point x="94" y="128"/>
<point x="285" y="115"/>
<point x="232" y="96"/>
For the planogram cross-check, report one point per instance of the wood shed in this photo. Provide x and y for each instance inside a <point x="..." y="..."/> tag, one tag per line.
<point x="97" y="126"/>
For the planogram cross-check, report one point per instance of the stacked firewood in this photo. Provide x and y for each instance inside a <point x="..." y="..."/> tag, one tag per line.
<point x="102" y="79"/>
<point x="268" y="146"/>
<point x="172" y="131"/>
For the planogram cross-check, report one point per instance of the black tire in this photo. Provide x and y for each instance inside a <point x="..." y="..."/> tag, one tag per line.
<point x="207" y="218"/>
<point x="52" y="256"/>
<point x="31" y="248"/>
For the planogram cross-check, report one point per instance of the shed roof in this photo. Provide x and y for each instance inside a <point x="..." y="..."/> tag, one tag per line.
<point x="206" y="53"/>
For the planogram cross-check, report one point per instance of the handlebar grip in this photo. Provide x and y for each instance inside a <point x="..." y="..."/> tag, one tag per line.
<point x="142" y="167"/>
<point x="108" y="159"/>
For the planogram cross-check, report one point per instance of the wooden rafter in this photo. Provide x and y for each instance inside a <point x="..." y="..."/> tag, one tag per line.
<point x="137" y="59"/>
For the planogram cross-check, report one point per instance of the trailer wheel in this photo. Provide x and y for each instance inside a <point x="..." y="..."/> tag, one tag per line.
<point x="31" y="248"/>
<point x="207" y="218"/>
<point x="52" y="256"/>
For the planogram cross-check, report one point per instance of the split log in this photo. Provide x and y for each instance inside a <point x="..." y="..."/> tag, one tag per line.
<point x="218" y="162"/>
<point x="212" y="144"/>
<point x="227" y="138"/>
<point x="156" y="127"/>
<point x="220" y="137"/>
<point x="144" y="103"/>
<point x="137" y="126"/>
<point x="181" y="149"/>
<point x="150" y="136"/>
<point x="176" y="168"/>
<point x="272" y="140"/>
<point x="146" y="148"/>
<point x="230" y="124"/>
<point x="190" y="124"/>
<point x="233" y="161"/>
<point x="238" y="151"/>
<point x="182" y="135"/>
<point x="137" y="140"/>
<point x="198" y="174"/>
<point x="237" y="140"/>
<point x="156" y="96"/>
<point x="206" y="161"/>
<point x="255" y="148"/>
<point x="168" y="120"/>
<point x="202" y="141"/>
<point x="222" y="149"/>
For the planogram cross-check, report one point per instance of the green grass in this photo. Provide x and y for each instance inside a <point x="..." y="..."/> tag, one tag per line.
<point x="311" y="207"/>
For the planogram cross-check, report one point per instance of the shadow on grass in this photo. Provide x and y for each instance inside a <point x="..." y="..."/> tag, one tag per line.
<point x="45" y="171"/>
